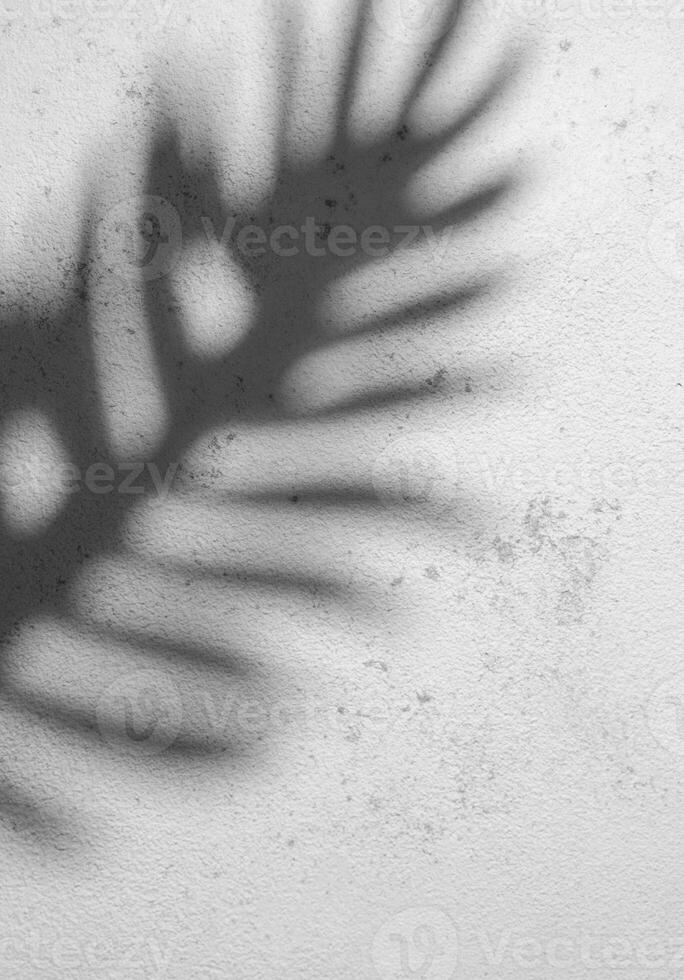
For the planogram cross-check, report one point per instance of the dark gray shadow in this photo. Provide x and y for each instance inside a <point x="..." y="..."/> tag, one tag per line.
<point x="48" y="363"/>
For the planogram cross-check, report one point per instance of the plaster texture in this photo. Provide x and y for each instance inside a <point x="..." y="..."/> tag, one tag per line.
<point x="442" y="740"/>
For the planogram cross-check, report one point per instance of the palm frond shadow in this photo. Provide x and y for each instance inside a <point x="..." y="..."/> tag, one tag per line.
<point x="50" y="352"/>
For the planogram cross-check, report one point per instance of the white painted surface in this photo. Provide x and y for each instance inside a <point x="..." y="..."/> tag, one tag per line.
<point x="486" y="743"/>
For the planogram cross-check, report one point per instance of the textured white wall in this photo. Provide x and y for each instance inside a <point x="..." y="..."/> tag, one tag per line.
<point x="476" y="764"/>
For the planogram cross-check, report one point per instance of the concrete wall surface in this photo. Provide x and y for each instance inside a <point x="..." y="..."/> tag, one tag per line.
<point x="340" y="489"/>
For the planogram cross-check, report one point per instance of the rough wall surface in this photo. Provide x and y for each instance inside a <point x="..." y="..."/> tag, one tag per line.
<point x="470" y="763"/>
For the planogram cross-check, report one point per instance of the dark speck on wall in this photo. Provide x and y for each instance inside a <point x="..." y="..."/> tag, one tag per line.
<point x="323" y="232"/>
<point x="436" y="380"/>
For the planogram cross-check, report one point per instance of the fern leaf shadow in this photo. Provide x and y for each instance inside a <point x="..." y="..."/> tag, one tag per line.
<point x="50" y="366"/>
